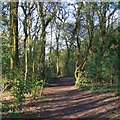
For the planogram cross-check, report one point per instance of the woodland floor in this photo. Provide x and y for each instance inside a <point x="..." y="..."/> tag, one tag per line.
<point x="63" y="100"/>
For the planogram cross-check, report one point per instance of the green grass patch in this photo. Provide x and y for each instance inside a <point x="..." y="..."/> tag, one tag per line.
<point x="13" y="115"/>
<point x="51" y="80"/>
<point x="101" y="88"/>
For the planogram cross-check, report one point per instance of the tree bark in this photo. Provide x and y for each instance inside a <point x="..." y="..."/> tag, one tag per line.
<point x="25" y="25"/>
<point x="119" y="51"/>
<point x="102" y="31"/>
<point x="14" y="34"/>
<point x="57" y="50"/>
<point x="68" y="51"/>
<point x="42" y="53"/>
<point x="49" y="59"/>
<point x="89" y="22"/>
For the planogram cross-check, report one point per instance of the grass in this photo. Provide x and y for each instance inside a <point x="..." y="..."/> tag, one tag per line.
<point x="101" y="88"/>
<point x="51" y="80"/>
<point x="13" y="115"/>
<point x="9" y="107"/>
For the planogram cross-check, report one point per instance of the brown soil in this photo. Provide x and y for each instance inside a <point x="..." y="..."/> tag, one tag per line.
<point x="63" y="100"/>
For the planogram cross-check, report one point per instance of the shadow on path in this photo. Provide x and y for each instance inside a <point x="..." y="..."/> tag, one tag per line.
<point x="68" y="101"/>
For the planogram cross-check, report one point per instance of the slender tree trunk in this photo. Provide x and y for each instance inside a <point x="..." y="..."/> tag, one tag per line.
<point x="119" y="51"/>
<point x="42" y="58"/>
<point x="49" y="59"/>
<point x="102" y="32"/>
<point x="25" y="26"/>
<point x="16" y="37"/>
<point x="42" y="54"/>
<point x="57" y="42"/>
<point x="77" y="75"/>
<point x="25" y="47"/>
<point x="34" y="55"/>
<point x="68" y="51"/>
<point x="90" y="37"/>
<point x="82" y="65"/>
<point x="33" y="64"/>
<point x="14" y="34"/>
<point x="29" y="36"/>
<point x="26" y="70"/>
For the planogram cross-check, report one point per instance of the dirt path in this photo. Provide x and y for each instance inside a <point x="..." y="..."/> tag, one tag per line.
<point x="69" y="102"/>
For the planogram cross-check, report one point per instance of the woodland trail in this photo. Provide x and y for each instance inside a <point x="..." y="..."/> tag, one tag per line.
<point x="68" y="101"/>
<point x="62" y="100"/>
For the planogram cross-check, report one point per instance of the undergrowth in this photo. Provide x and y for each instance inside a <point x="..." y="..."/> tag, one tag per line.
<point x="101" y="88"/>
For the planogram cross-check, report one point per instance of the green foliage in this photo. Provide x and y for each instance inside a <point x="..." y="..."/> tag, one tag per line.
<point x="101" y="68"/>
<point x="67" y="69"/>
<point x="84" y="87"/>
<point x="18" y="90"/>
<point x="36" y="87"/>
<point x="101" y="88"/>
<point x="8" y="107"/>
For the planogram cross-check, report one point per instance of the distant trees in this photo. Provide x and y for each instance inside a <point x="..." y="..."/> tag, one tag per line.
<point x="45" y="20"/>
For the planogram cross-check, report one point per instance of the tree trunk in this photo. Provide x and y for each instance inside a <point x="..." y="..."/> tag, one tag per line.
<point x="49" y="59"/>
<point x="68" y="52"/>
<point x="102" y="32"/>
<point x="29" y="36"/>
<point x="42" y="53"/>
<point x="57" y="65"/>
<point x="14" y="34"/>
<point x="90" y="37"/>
<point x="119" y="52"/>
<point x="57" y="49"/>
<point x="25" y="41"/>
<point x="26" y="44"/>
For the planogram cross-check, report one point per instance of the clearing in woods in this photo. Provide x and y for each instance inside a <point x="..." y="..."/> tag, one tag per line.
<point x="67" y="101"/>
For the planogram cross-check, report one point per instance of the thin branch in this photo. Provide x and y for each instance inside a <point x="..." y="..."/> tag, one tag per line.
<point x="4" y="88"/>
